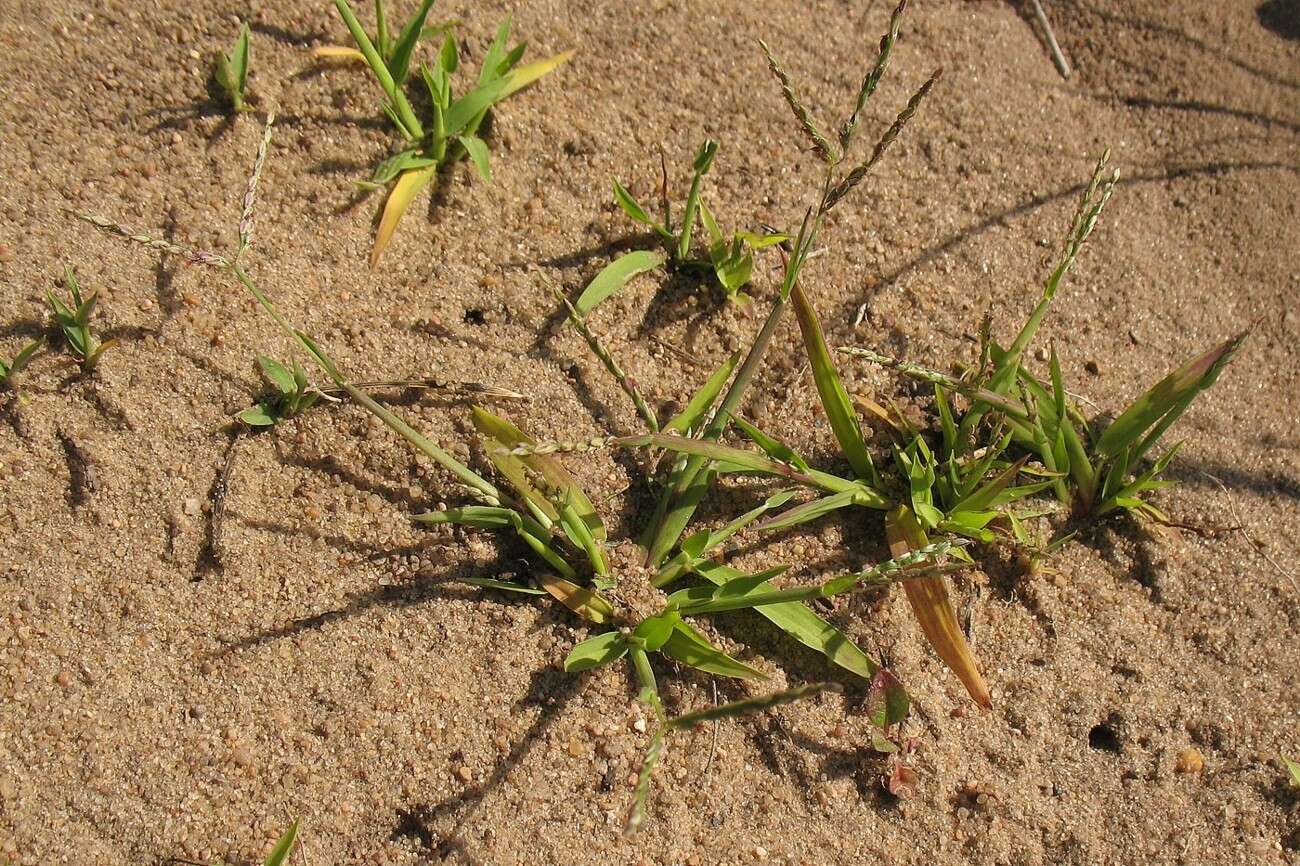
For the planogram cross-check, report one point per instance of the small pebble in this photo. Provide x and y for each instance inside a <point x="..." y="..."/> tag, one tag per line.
<point x="192" y="506"/>
<point x="243" y="756"/>
<point x="64" y="679"/>
<point x="464" y="773"/>
<point x="1189" y="761"/>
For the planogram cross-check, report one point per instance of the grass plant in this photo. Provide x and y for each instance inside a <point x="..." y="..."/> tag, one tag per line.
<point x="541" y="503"/>
<point x="450" y="129"/>
<point x="294" y="394"/>
<point x="730" y="259"/>
<point x="10" y="369"/>
<point x="231" y="72"/>
<point x="73" y="317"/>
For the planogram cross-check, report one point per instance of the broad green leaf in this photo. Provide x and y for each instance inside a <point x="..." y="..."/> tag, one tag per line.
<point x="692" y="417"/>
<point x="690" y="648"/>
<point x="261" y="415"/>
<point x="277" y="374"/>
<point x="478" y="154"/>
<point x="283" y="847"/>
<point x="615" y="276"/>
<point x="654" y="631"/>
<point x="803" y="624"/>
<point x="399" y="199"/>
<point x="595" y="651"/>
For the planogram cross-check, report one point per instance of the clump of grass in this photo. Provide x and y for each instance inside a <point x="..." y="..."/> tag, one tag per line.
<point x="294" y="396"/>
<point x="231" y="72"/>
<point x="73" y="317"/>
<point x="1096" y="468"/>
<point x="449" y="131"/>
<point x="730" y="260"/>
<point x="10" y="369"/>
<point x="544" y="507"/>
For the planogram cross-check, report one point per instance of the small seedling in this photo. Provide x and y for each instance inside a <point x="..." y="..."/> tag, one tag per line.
<point x="231" y="72"/>
<point x="731" y="261"/>
<point x="449" y="131"/>
<point x="9" y="369"/>
<point x="295" y="394"/>
<point x="1293" y="768"/>
<point x="74" y="321"/>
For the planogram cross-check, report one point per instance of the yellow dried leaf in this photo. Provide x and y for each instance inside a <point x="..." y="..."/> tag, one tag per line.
<point x="399" y="199"/>
<point x="928" y="597"/>
<point x="337" y="52"/>
<point x="527" y="74"/>
<point x="582" y="601"/>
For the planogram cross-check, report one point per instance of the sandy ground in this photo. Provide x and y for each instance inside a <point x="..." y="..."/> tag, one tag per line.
<point x="156" y="705"/>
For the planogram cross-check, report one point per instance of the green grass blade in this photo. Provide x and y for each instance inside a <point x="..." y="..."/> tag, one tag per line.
<point x="835" y="400"/>
<point x="283" y="847"/>
<point x="751" y="705"/>
<point x="503" y="585"/>
<point x="692" y="417"/>
<point x="690" y="648"/>
<point x="465" y="111"/>
<point x="527" y="74"/>
<point x="405" y="115"/>
<point x="803" y="624"/>
<point x="1166" y="400"/>
<point x="399" y="61"/>
<point x="615" y="276"/>
<point x="595" y="651"/>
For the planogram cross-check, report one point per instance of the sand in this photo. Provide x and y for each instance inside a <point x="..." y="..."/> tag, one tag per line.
<point x="158" y="703"/>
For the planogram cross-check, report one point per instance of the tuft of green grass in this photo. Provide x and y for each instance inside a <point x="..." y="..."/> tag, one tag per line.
<point x="730" y="260"/>
<point x="10" y="369"/>
<point x="1094" y="468"/>
<point x="73" y="317"/>
<point x="231" y="71"/>
<point x="294" y="394"/>
<point x="449" y="130"/>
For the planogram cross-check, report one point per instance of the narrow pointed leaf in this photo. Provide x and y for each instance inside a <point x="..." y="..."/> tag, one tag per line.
<point x="692" y="417"/>
<point x="835" y="400"/>
<point x="526" y="75"/>
<point x="478" y="154"/>
<point x="283" y="847"/>
<point x="690" y="648"/>
<point x="615" y="276"/>
<point x="399" y="61"/>
<point x="595" y="651"/>
<point x="584" y="602"/>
